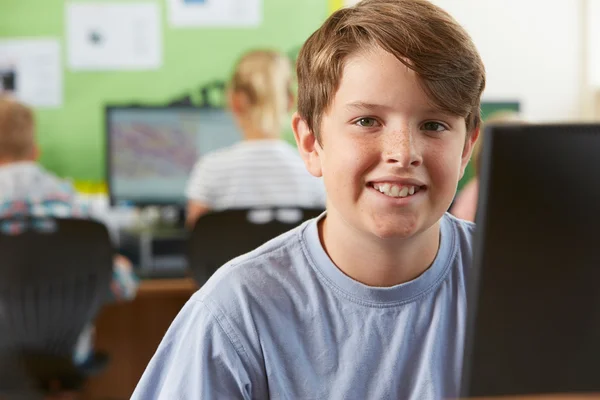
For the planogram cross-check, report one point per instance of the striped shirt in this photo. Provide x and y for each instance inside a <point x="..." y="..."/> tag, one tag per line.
<point x="255" y="173"/>
<point x="26" y="189"/>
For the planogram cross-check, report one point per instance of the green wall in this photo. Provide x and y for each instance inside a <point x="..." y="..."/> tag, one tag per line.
<point x="72" y="137"/>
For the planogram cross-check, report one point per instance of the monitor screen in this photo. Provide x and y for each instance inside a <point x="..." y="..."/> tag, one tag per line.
<point x="534" y="299"/>
<point x="152" y="150"/>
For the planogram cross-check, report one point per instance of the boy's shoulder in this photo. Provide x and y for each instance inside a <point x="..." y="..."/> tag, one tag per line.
<point x="462" y="236"/>
<point x="259" y="272"/>
<point x="464" y="228"/>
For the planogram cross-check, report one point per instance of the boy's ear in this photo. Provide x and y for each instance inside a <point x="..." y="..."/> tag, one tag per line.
<point x="468" y="150"/>
<point x="308" y="146"/>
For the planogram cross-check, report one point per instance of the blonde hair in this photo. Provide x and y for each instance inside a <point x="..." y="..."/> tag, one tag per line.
<point x="264" y="77"/>
<point x="17" y="126"/>
<point x="419" y="34"/>
<point x="497" y="117"/>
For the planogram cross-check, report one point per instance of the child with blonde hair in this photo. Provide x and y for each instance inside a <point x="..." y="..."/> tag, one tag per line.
<point x="263" y="169"/>
<point x="26" y="188"/>
<point x="369" y="300"/>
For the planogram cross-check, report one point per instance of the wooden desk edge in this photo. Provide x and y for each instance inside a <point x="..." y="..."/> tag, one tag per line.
<point x="167" y="286"/>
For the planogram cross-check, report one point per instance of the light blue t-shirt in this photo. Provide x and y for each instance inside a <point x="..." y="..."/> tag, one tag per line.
<point x="283" y="322"/>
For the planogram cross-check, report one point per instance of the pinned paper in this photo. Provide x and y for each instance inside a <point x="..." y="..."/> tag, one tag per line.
<point x="31" y="71"/>
<point x="114" y="36"/>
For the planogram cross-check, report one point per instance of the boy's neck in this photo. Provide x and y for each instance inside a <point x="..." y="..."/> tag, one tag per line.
<point x="376" y="262"/>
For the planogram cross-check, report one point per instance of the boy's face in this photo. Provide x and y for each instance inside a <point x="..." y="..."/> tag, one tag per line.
<point x="390" y="161"/>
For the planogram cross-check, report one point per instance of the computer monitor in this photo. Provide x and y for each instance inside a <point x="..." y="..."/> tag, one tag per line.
<point x="152" y="150"/>
<point x="534" y="295"/>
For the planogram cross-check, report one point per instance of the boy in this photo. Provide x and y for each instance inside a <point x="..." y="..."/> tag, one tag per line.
<point x="367" y="301"/>
<point x="26" y="188"/>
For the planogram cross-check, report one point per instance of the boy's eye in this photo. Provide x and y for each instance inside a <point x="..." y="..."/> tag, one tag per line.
<point x="433" y="126"/>
<point x="366" y="122"/>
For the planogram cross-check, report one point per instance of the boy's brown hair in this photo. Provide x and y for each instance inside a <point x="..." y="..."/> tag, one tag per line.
<point x="17" y="125"/>
<point x="421" y="35"/>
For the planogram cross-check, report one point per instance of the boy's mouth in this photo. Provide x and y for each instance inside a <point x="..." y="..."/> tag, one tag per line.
<point x="395" y="190"/>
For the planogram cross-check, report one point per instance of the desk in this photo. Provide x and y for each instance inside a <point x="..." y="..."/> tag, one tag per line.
<point x="131" y="331"/>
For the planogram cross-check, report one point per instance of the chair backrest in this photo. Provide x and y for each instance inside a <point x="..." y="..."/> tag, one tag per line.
<point x="221" y="236"/>
<point x="54" y="278"/>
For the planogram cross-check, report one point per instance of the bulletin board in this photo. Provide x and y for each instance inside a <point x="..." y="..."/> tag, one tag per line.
<point x="72" y="136"/>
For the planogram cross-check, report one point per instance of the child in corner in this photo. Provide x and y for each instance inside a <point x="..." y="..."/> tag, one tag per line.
<point x="263" y="169"/>
<point x="26" y="188"/>
<point x="368" y="301"/>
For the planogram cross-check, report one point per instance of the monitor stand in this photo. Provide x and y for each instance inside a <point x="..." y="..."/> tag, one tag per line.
<point x="157" y="249"/>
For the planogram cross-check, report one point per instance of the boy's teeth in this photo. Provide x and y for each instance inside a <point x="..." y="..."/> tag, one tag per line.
<point x="395" y="190"/>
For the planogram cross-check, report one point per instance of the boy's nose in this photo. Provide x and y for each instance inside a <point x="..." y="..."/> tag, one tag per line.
<point x="401" y="150"/>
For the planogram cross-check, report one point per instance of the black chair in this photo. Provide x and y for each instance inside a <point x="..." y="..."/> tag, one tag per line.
<point x="221" y="236"/>
<point x="54" y="278"/>
<point x="14" y="382"/>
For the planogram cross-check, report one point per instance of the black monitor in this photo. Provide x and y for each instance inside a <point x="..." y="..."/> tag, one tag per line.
<point x="534" y="296"/>
<point x="152" y="150"/>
